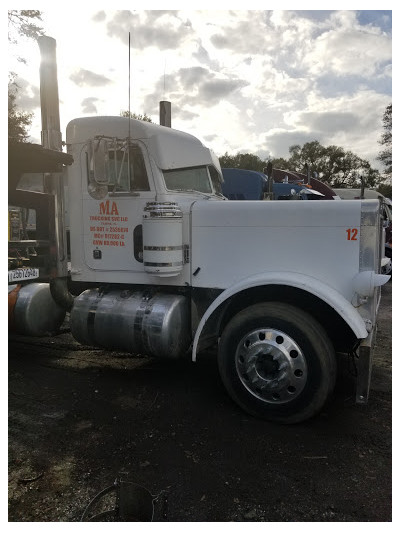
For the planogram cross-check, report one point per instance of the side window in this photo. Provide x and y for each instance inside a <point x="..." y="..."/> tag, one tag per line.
<point x="127" y="170"/>
<point x="216" y="179"/>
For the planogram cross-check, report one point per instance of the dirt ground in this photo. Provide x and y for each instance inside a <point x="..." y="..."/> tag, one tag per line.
<point x="79" y="418"/>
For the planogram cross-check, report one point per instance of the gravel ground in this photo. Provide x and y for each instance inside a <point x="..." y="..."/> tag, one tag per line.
<point x="79" y="419"/>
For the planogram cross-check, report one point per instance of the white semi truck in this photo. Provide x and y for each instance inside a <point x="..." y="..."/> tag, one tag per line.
<point x="162" y="264"/>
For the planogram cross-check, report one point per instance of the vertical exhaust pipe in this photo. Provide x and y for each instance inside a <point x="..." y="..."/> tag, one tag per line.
<point x="49" y="101"/>
<point x="52" y="140"/>
<point x="308" y="174"/>
<point x="268" y="171"/>
<point x="165" y="114"/>
<point x="362" y="192"/>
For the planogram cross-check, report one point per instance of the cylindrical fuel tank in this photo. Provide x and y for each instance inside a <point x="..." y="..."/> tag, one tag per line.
<point x="162" y="239"/>
<point x="136" y="322"/>
<point x="32" y="310"/>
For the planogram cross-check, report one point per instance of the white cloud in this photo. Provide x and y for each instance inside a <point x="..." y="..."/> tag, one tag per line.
<point x="157" y="29"/>
<point x="86" y="78"/>
<point x="349" y="50"/>
<point x="352" y="121"/>
<point x="89" y="106"/>
<point x="246" y="80"/>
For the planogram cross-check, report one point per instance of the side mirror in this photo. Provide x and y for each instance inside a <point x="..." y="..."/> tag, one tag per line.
<point x="98" y="150"/>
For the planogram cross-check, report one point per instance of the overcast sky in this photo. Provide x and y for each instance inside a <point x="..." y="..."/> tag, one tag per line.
<point x="242" y="81"/>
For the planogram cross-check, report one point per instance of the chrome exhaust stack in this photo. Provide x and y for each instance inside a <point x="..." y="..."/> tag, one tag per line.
<point x="49" y="101"/>
<point x="53" y="183"/>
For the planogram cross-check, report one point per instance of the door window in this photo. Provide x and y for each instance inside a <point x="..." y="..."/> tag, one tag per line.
<point x="127" y="170"/>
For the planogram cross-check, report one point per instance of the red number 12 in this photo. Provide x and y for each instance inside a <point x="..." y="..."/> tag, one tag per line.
<point x="352" y="234"/>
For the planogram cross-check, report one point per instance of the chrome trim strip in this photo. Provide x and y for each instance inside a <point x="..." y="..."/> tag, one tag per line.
<point x="163" y="248"/>
<point x="179" y="263"/>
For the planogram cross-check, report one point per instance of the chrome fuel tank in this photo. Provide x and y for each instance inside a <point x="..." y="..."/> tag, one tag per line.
<point x="32" y="310"/>
<point x="133" y="321"/>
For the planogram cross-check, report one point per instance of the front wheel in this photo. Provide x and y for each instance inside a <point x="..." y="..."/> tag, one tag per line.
<point x="277" y="362"/>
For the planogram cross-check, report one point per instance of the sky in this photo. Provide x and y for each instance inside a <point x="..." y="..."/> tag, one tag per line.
<point x="255" y="80"/>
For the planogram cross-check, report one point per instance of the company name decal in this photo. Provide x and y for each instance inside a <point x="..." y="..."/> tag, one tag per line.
<point x="110" y="229"/>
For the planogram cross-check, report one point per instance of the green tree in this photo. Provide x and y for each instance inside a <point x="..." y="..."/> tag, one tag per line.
<point x="144" y="117"/>
<point x="385" y="189"/>
<point x="245" y="161"/>
<point x="311" y="153"/>
<point x="18" y="121"/>
<point x="280" y="162"/>
<point x="334" y="166"/>
<point x="385" y="156"/>
<point x="20" y="24"/>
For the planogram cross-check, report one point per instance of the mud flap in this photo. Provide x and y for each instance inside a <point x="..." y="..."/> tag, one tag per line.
<point x="364" y="367"/>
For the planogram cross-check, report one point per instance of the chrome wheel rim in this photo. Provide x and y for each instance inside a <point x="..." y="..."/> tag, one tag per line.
<point x="271" y="365"/>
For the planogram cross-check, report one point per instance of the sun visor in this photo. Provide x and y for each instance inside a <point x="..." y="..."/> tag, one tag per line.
<point x="175" y="149"/>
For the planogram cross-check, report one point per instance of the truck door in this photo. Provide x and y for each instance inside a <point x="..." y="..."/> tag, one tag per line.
<point x="112" y="212"/>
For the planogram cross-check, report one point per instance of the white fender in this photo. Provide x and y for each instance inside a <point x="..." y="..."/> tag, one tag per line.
<point x="292" y="279"/>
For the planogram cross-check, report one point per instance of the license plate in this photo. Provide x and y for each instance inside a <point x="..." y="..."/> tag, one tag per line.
<point x="22" y="274"/>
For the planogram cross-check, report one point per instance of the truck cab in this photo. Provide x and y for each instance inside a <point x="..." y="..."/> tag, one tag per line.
<point x="166" y="265"/>
<point x="116" y="174"/>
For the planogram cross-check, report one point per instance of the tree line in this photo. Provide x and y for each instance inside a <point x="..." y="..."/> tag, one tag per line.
<point x="333" y="165"/>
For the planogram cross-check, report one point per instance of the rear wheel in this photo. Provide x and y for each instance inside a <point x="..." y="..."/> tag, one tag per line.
<point x="277" y="362"/>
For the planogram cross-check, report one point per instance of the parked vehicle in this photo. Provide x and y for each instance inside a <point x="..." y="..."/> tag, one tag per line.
<point x="162" y="264"/>
<point x="289" y="176"/>
<point x="239" y="184"/>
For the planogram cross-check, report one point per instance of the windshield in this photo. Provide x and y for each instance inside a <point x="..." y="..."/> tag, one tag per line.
<point x="188" y="179"/>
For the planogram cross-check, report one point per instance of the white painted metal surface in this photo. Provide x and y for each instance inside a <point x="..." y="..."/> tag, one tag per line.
<point x="234" y="240"/>
<point x="169" y="148"/>
<point x="291" y="279"/>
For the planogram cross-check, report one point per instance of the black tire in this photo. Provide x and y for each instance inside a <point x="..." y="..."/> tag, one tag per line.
<point x="277" y="362"/>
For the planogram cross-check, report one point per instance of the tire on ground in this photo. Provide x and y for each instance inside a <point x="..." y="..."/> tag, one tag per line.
<point x="277" y="362"/>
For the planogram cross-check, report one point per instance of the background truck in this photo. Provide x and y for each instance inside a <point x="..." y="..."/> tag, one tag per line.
<point x="307" y="179"/>
<point x="240" y="184"/>
<point x="162" y="264"/>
